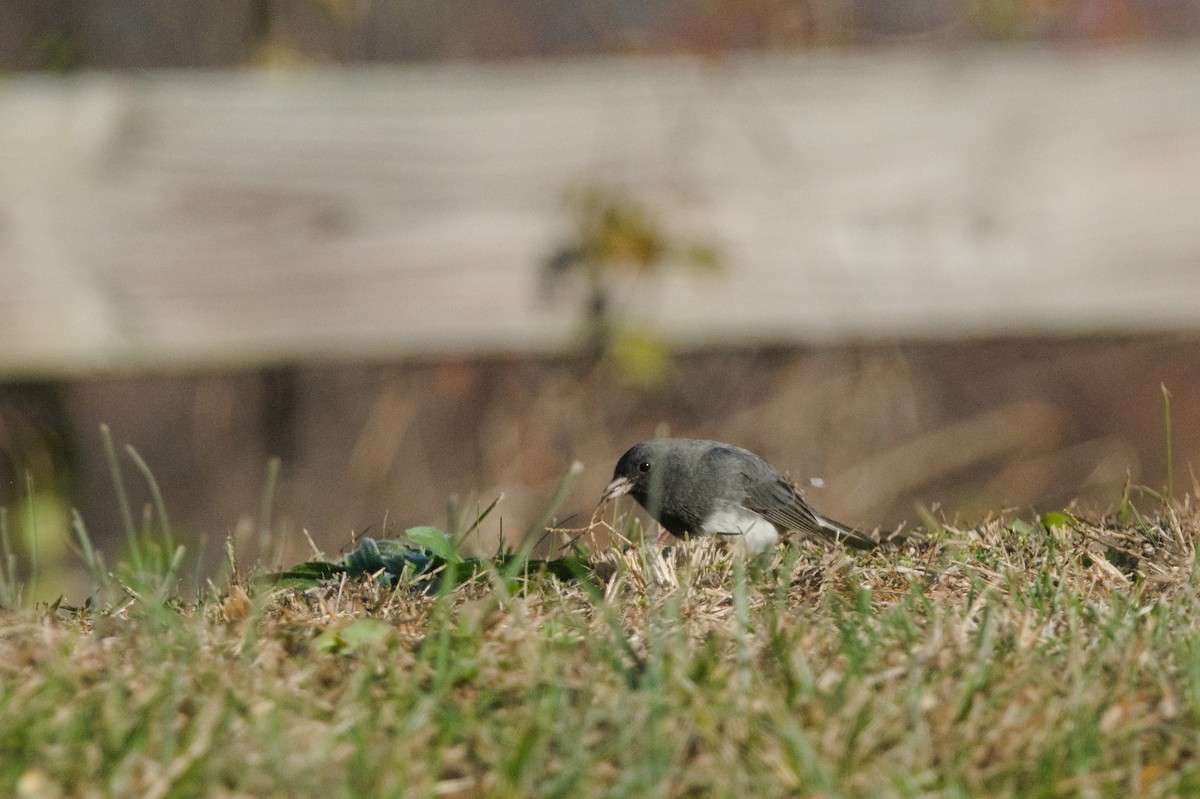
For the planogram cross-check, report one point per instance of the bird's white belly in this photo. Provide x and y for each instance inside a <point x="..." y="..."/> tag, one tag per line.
<point x="744" y="527"/>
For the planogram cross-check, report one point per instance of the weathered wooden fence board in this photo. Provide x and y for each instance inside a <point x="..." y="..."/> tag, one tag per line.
<point x="183" y="219"/>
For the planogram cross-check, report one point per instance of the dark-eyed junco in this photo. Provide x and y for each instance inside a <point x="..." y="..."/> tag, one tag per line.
<point x="695" y="487"/>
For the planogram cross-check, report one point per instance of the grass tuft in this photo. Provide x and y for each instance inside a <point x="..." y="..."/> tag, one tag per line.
<point x="1053" y="657"/>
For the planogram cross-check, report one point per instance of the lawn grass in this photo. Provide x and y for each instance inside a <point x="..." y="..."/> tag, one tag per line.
<point x="1054" y="657"/>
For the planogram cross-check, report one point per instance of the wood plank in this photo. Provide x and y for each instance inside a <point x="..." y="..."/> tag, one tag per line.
<point x="176" y="220"/>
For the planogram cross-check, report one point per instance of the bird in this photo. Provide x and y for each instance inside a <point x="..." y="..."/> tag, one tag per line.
<point x="696" y="487"/>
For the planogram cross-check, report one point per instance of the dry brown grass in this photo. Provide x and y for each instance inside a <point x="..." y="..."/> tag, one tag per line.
<point x="1010" y="659"/>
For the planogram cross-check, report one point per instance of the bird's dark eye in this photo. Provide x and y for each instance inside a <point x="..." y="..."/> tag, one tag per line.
<point x="644" y="467"/>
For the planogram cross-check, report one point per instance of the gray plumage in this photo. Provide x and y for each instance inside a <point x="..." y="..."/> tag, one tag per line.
<point x="698" y="487"/>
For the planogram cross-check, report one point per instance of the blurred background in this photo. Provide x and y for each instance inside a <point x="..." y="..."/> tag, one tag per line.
<point x="921" y="254"/>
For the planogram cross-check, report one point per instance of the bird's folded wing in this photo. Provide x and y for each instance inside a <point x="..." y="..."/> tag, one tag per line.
<point x="782" y="505"/>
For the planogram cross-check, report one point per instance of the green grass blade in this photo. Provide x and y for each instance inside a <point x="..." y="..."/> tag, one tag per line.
<point x="1170" y="492"/>
<point x="479" y="517"/>
<point x="91" y="557"/>
<point x="31" y="522"/>
<point x="114" y="471"/>
<point x="538" y="529"/>
<point x="160" y="506"/>
<point x="266" y="509"/>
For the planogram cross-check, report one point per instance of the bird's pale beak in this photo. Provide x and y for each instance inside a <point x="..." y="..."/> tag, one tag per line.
<point x="617" y="488"/>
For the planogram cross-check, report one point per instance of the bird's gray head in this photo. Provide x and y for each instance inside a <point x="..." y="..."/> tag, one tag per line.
<point x="669" y="478"/>
<point x="640" y="470"/>
<point x="659" y="473"/>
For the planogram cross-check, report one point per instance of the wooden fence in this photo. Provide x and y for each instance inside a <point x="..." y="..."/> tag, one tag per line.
<point x="176" y="220"/>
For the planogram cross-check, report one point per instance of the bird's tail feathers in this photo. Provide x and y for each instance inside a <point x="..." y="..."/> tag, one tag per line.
<point x="842" y="534"/>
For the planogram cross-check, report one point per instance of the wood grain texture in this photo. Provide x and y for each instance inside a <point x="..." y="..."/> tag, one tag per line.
<point x="176" y="220"/>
